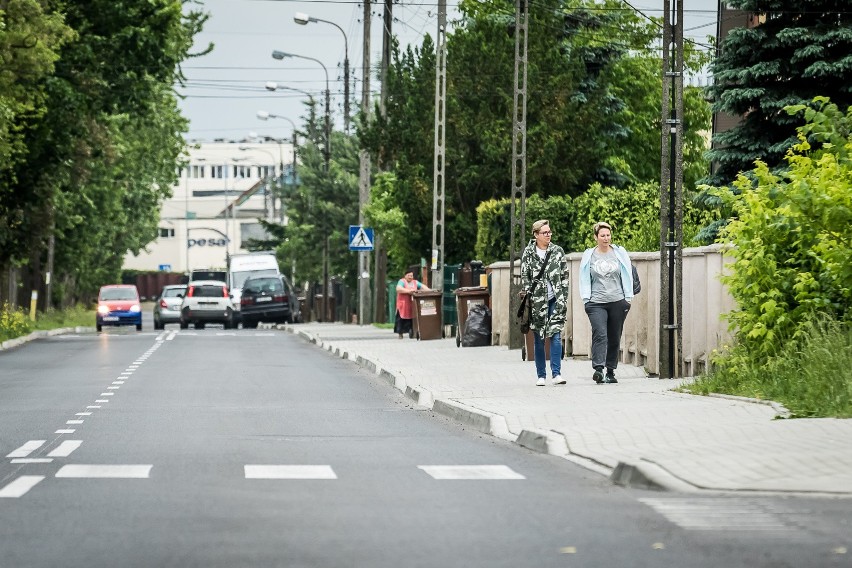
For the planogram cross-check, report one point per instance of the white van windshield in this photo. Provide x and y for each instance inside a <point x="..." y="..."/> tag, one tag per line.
<point x="239" y="278"/>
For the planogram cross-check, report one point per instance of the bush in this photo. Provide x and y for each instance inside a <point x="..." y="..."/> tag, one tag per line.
<point x="791" y="240"/>
<point x="634" y="213"/>
<point x="13" y="322"/>
<point x="493" y="224"/>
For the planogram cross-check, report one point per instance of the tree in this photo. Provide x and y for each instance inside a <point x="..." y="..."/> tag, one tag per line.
<point x="593" y="113"/>
<point x="799" y="49"/>
<point x="101" y="154"/>
<point x="321" y="208"/>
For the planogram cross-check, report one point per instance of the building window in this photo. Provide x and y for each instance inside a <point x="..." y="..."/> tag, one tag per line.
<point x="167" y="233"/>
<point x="217" y="172"/>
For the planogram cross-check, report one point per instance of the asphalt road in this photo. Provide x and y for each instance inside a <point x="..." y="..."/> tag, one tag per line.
<point x="233" y="448"/>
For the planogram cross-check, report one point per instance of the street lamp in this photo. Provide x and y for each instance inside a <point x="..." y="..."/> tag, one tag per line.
<point x="186" y="204"/>
<point x="281" y="55"/>
<point x="267" y="200"/>
<point x="231" y="167"/>
<point x="274" y="86"/>
<point x="265" y="115"/>
<point x="304" y="19"/>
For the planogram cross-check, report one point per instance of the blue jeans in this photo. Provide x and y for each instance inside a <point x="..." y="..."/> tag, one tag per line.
<point x="555" y="349"/>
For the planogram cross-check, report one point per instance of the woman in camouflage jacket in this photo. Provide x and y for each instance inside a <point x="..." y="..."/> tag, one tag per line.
<point x="549" y="299"/>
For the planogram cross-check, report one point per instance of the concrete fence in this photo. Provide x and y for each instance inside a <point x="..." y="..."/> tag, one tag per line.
<point x="705" y="299"/>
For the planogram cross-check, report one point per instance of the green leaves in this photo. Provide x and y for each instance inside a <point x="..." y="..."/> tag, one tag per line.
<point x="792" y="237"/>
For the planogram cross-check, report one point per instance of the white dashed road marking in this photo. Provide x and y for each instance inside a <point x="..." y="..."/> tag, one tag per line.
<point x="19" y="487"/>
<point x="717" y="514"/>
<point x="69" y="422"/>
<point x="65" y="431"/>
<point x="289" y="472"/>
<point x="471" y="472"/>
<point x="79" y="471"/>
<point x="26" y="449"/>
<point x="64" y="449"/>
<point x="31" y="460"/>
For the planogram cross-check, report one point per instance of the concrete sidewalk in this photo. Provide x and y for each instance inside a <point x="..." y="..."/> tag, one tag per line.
<point x="639" y="432"/>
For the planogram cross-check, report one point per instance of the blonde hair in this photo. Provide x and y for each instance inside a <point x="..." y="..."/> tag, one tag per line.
<point x="601" y="225"/>
<point x="538" y="225"/>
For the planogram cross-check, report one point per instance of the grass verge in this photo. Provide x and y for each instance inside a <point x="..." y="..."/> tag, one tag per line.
<point x="16" y="322"/>
<point x="811" y="376"/>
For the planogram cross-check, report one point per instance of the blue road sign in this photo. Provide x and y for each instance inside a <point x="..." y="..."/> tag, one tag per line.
<point x="360" y="238"/>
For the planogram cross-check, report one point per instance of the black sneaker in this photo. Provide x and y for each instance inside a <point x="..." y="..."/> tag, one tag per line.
<point x="610" y="378"/>
<point x="598" y="377"/>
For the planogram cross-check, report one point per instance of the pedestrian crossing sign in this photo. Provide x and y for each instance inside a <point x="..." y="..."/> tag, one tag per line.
<point x="360" y="238"/>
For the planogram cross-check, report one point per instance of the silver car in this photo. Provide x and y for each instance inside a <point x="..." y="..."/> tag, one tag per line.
<point x="167" y="305"/>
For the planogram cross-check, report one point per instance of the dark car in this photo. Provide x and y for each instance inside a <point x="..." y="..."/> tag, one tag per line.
<point x="118" y="304"/>
<point x="270" y="299"/>
<point x="167" y="305"/>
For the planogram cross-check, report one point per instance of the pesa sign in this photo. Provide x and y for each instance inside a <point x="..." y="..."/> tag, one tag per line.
<point x="207" y="243"/>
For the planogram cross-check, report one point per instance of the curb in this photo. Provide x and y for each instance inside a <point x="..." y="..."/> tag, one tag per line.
<point x="18" y="341"/>
<point x="782" y="410"/>
<point x="645" y="475"/>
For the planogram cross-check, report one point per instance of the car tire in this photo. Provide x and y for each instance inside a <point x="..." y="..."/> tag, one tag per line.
<point x="249" y="324"/>
<point x="138" y="327"/>
<point x="227" y="323"/>
<point x="199" y="325"/>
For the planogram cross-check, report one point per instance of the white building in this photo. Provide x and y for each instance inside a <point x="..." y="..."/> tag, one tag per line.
<point x="215" y="208"/>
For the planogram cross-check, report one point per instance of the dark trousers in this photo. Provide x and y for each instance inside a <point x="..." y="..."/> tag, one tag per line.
<point x="607" y="322"/>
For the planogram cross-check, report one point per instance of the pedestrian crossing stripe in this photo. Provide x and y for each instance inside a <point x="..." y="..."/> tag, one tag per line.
<point x="443" y="472"/>
<point x="360" y="238"/>
<point x="289" y="472"/>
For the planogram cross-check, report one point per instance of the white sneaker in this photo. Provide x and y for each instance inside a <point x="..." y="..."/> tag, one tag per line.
<point x="557" y="380"/>
<point x="540" y="383"/>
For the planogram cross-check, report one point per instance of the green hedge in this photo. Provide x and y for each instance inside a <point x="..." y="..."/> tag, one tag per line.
<point x="633" y="212"/>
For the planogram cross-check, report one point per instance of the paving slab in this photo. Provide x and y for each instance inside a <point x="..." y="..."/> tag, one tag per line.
<point x="640" y="432"/>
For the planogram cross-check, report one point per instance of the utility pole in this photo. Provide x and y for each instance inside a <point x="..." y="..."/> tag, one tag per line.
<point x="671" y="194"/>
<point x="364" y="177"/>
<point x="380" y="255"/>
<point x="519" y="170"/>
<point x="440" y="139"/>
<point x="387" y="41"/>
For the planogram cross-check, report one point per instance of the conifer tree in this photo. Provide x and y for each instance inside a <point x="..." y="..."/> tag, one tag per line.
<point x="798" y="50"/>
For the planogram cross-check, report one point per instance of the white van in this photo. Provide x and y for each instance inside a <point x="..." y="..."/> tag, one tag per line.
<point x="243" y="265"/>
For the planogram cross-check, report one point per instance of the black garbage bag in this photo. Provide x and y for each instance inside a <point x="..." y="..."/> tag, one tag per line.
<point x="477" y="327"/>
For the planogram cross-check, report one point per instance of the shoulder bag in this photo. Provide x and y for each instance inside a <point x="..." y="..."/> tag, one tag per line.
<point x="525" y="309"/>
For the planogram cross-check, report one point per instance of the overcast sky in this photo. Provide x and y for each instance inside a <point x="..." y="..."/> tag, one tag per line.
<point x="226" y="87"/>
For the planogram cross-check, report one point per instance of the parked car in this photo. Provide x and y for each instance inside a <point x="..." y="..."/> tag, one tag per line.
<point x="167" y="305"/>
<point x="118" y="304"/>
<point x="206" y="301"/>
<point x="269" y="299"/>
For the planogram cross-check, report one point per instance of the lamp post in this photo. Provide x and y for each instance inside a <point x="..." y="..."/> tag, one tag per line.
<point x="264" y="115"/>
<point x="231" y="166"/>
<point x="274" y="86"/>
<point x="281" y="55"/>
<point x="186" y="205"/>
<point x="304" y="19"/>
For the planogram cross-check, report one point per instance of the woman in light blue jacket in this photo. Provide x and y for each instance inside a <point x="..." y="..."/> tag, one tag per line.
<point x="606" y="288"/>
